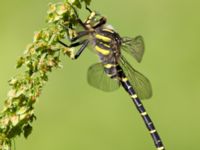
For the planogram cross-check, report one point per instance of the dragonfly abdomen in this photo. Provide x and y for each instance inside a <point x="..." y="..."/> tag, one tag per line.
<point x="111" y="70"/>
<point x="148" y="122"/>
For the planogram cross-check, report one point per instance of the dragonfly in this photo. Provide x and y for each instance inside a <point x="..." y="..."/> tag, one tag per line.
<point x="113" y="70"/>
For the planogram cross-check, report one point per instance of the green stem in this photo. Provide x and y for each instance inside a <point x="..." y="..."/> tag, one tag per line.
<point x="41" y="57"/>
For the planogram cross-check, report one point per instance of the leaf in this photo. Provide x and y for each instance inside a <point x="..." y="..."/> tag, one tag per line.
<point x="20" y="62"/>
<point x="16" y="130"/>
<point x="27" y="130"/>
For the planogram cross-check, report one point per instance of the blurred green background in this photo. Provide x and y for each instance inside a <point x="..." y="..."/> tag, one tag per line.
<point x="72" y="115"/>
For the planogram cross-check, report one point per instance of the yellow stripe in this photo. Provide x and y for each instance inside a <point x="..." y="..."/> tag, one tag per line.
<point x="144" y="113"/>
<point x="109" y="66"/>
<point x="104" y="38"/>
<point x="124" y="79"/>
<point x="134" y="96"/>
<point x="108" y="46"/>
<point x="102" y="51"/>
<point x="109" y="75"/>
<point x="108" y="30"/>
<point x="160" y="148"/>
<point x="153" y="131"/>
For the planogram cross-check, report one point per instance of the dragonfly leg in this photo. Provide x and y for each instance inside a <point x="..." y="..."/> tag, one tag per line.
<point x="84" y="45"/>
<point x="71" y="45"/>
<point x="78" y="36"/>
<point x="78" y="53"/>
<point x="86" y="7"/>
<point x="77" y="16"/>
<point x="101" y="22"/>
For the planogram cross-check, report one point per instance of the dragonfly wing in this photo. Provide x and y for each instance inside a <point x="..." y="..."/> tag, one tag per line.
<point x="97" y="78"/>
<point x="140" y="83"/>
<point x="134" y="47"/>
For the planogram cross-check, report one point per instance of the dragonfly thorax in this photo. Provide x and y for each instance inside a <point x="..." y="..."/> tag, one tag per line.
<point x="107" y="44"/>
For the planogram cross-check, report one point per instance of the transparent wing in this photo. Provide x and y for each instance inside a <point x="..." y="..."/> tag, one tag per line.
<point x="140" y="83"/>
<point x="134" y="47"/>
<point x="97" y="78"/>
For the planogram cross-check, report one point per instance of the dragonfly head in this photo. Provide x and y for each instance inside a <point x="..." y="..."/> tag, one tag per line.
<point x="95" y="19"/>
